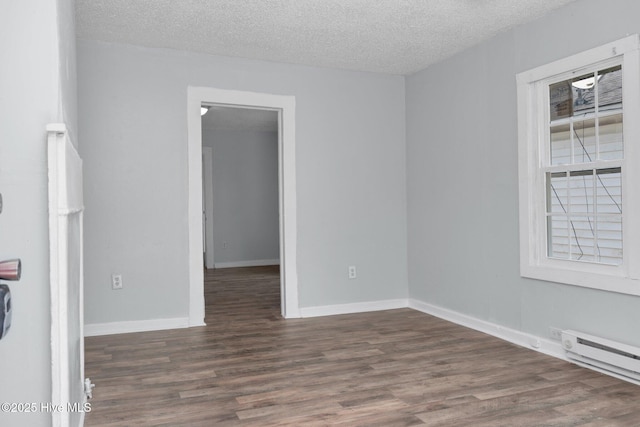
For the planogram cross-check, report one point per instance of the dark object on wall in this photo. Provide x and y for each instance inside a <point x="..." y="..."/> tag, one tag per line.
<point x="5" y="310"/>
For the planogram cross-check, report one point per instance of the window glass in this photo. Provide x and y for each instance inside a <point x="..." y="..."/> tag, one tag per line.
<point x="582" y="238"/>
<point x="584" y="141"/>
<point x="557" y="197"/>
<point x="557" y="230"/>
<point x="560" y="144"/>
<point x="610" y="137"/>
<point x="610" y="240"/>
<point x="583" y="94"/>
<point x="609" y="191"/>
<point x="610" y="89"/>
<point x="560" y="100"/>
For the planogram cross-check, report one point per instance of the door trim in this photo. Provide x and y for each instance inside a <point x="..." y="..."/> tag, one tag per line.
<point x="66" y="263"/>
<point x="285" y="105"/>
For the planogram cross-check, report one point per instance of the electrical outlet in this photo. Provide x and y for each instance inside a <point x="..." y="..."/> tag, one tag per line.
<point x="555" y="333"/>
<point x="225" y="245"/>
<point x="116" y="281"/>
<point x="352" y="272"/>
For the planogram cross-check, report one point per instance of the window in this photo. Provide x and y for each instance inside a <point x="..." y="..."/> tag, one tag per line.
<point x="583" y="168"/>
<point x="579" y="169"/>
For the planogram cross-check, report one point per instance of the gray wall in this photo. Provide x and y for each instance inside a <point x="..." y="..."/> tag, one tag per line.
<point x="37" y="87"/>
<point x="245" y="192"/>
<point x="463" y="180"/>
<point x="350" y="158"/>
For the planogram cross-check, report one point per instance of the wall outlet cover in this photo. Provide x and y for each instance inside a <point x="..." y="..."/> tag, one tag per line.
<point x="555" y="333"/>
<point x="116" y="281"/>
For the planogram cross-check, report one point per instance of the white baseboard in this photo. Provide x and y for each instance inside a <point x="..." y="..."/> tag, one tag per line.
<point x="532" y="342"/>
<point x="358" y="307"/>
<point x="95" y="329"/>
<point x="254" y="263"/>
<point x="542" y="345"/>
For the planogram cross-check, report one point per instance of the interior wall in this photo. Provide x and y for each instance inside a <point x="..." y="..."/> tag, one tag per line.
<point x="462" y="179"/>
<point x="37" y="87"/>
<point x="350" y="157"/>
<point x="68" y="87"/>
<point x="245" y="189"/>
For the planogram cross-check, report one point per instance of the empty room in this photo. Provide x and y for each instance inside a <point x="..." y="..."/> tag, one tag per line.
<point x="320" y="213"/>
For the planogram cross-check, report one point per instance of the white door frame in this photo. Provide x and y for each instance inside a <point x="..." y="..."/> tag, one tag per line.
<point x="285" y="105"/>
<point x="66" y="274"/>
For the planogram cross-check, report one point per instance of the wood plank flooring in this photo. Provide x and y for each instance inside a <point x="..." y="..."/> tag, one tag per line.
<point x="249" y="367"/>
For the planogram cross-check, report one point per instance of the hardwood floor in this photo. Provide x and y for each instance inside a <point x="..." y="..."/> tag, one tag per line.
<point x="248" y="366"/>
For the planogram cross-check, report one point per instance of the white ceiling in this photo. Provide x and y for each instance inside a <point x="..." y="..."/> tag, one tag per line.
<point x="384" y="36"/>
<point x="231" y="118"/>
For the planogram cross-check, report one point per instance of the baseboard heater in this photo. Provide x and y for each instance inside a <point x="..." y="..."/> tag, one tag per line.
<point x="614" y="358"/>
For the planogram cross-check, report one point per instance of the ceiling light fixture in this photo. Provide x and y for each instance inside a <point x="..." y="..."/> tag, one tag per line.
<point x="203" y="110"/>
<point x="587" y="83"/>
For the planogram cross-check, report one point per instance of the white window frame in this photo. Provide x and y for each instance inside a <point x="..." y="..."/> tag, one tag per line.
<point x="533" y="125"/>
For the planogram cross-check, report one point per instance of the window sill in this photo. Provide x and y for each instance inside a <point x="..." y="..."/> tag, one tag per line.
<point x="617" y="282"/>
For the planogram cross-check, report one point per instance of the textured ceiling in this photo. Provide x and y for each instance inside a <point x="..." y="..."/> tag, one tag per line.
<point x="385" y="36"/>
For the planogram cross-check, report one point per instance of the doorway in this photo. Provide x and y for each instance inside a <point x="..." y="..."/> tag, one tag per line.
<point x="285" y="108"/>
<point x="240" y="172"/>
